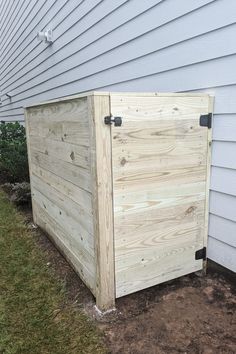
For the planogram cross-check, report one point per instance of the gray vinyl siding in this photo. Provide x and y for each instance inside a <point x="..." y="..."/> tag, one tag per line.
<point x="120" y="45"/>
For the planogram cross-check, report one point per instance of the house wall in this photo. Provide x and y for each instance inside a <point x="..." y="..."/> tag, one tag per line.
<point x="132" y="45"/>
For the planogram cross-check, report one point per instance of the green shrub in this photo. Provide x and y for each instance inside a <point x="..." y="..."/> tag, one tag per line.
<point x="13" y="153"/>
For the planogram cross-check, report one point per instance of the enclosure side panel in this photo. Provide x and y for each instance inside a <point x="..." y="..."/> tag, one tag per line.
<point x="102" y="201"/>
<point x="59" y="156"/>
<point x="160" y="162"/>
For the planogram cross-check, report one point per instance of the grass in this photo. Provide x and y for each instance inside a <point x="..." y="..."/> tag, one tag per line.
<point x="35" y="316"/>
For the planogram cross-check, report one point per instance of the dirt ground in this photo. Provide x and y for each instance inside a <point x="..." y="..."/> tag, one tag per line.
<point x="193" y="314"/>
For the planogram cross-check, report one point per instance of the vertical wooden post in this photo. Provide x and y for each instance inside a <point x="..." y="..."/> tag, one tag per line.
<point x="208" y="175"/>
<point x="101" y="165"/>
<point x="27" y="130"/>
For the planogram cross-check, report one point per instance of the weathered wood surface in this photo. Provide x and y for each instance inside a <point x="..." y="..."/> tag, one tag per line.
<point x="160" y="158"/>
<point x="58" y="141"/>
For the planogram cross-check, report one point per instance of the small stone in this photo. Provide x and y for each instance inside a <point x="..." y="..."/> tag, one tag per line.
<point x="208" y="351"/>
<point x="208" y="291"/>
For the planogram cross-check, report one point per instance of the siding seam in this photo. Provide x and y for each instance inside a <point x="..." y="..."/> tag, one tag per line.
<point x="134" y="38"/>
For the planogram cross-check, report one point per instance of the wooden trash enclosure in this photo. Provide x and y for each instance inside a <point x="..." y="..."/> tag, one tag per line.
<point x="120" y="182"/>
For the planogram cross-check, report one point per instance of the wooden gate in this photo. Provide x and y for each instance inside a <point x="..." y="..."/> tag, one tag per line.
<point x="160" y="165"/>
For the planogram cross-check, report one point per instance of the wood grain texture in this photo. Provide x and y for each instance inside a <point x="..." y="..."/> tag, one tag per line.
<point x="68" y="171"/>
<point x="101" y="171"/>
<point x="71" y="251"/>
<point x="66" y="188"/>
<point x="128" y="206"/>
<point x="28" y="139"/>
<point x="208" y="175"/>
<point x="77" y="155"/>
<point x="58" y="139"/>
<point x="160" y="158"/>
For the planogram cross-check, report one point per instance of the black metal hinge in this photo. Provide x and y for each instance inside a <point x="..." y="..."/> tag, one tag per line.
<point x="206" y="120"/>
<point x="116" y="120"/>
<point x="201" y="254"/>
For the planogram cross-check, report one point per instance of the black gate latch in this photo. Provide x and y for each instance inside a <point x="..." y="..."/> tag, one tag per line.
<point x="201" y="254"/>
<point x="116" y="120"/>
<point x="205" y="120"/>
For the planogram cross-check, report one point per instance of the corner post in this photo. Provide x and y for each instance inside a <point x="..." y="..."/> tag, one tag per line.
<point x="101" y="170"/>
<point x="208" y="173"/>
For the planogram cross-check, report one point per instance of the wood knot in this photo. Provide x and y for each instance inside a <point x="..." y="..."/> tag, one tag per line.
<point x="190" y="210"/>
<point x="123" y="161"/>
<point x="72" y="156"/>
<point x="116" y="136"/>
<point x="155" y="134"/>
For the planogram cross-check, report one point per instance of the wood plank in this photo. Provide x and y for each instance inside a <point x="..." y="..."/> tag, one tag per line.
<point x="188" y="128"/>
<point x="165" y="155"/>
<point x="66" y="188"/>
<point x="158" y="180"/>
<point x="154" y="254"/>
<point x="160" y="217"/>
<point x="148" y="108"/>
<point x="171" y="264"/>
<point x="160" y="157"/>
<point x="70" y="132"/>
<point x="164" y="149"/>
<point x="74" y="174"/>
<point x="61" y="121"/>
<point x="166" y="232"/>
<point x="102" y="203"/>
<point x="75" y="154"/>
<point x="75" y="210"/>
<point x="208" y="174"/>
<point x="131" y="180"/>
<point x="29" y="152"/>
<point x="72" y="228"/>
<point x="74" y="110"/>
<point x="68" y="249"/>
<point x="152" y="202"/>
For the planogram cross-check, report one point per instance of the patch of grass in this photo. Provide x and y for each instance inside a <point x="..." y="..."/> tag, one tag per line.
<point x="34" y="314"/>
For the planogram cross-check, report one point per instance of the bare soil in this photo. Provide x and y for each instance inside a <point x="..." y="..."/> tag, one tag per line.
<point x="194" y="314"/>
